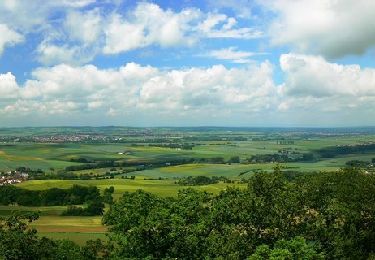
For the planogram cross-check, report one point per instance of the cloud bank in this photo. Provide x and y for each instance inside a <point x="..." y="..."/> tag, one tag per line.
<point x="63" y="89"/>
<point x="327" y="27"/>
<point x="83" y="59"/>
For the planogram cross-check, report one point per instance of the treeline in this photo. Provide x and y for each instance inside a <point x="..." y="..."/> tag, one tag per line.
<point x="311" y="216"/>
<point x="115" y="163"/>
<point x="202" y="180"/>
<point x="360" y="163"/>
<point x="18" y="241"/>
<point x="215" y="138"/>
<point x="140" y="165"/>
<point x="333" y="151"/>
<point x="76" y="195"/>
<point x="183" y="146"/>
<point x="29" y="171"/>
<point x="90" y="164"/>
<point x="282" y="158"/>
<point x="93" y="207"/>
<point x="39" y="174"/>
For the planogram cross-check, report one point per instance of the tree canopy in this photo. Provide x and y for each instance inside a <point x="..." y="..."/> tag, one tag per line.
<point x="307" y="216"/>
<point x="323" y="214"/>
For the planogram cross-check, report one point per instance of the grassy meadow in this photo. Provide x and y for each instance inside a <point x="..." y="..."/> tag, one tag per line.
<point x="163" y="188"/>
<point x="51" y="224"/>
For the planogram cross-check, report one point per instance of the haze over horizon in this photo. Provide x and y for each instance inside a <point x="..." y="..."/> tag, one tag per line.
<point x="246" y="63"/>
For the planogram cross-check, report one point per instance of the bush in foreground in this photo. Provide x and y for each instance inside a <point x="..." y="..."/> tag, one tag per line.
<point x="18" y="241"/>
<point x="323" y="214"/>
<point x="311" y="216"/>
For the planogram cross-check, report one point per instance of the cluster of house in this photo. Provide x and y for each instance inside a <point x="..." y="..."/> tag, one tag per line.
<point x="60" y="138"/>
<point x="12" y="177"/>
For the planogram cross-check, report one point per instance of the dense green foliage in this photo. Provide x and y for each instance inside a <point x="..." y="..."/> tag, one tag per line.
<point x="17" y="241"/>
<point x="184" y="146"/>
<point x="305" y="216"/>
<point x="325" y="214"/>
<point x="93" y="208"/>
<point x="107" y="195"/>
<point x="152" y="163"/>
<point x="201" y="180"/>
<point x="360" y="163"/>
<point x="282" y="158"/>
<point x="334" y="151"/>
<point x="51" y="197"/>
<point x="296" y="248"/>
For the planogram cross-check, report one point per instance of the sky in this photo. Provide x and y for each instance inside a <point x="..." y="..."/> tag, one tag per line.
<point x="290" y="63"/>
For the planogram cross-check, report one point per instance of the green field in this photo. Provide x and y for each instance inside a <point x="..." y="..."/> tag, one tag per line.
<point x="51" y="224"/>
<point x="233" y="171"/>
<point x="81" y="228"/>
<point x="58" y="156"/>
<point x="161" y="180"/>
<point x="160" y="187"/>
<point x="77" y="237"/>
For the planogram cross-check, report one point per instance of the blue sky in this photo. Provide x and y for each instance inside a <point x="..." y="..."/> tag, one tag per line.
<point x="187" y="63"/>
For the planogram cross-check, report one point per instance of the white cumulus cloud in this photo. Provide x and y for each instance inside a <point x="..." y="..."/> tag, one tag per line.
<point x="149" y="24"/>
<point x="140" y="89"/>
<point x="328" y="27"/>
<point x="8" y="37"/>
<point x="313" y="76"/>
<point x="8" y="86"/>
<point x="316" y="91"/>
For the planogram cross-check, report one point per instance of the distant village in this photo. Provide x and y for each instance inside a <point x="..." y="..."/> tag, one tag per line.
<point x="12" y="177"/>
<point x="83" y="135"/>
<point x="56" y="138"/>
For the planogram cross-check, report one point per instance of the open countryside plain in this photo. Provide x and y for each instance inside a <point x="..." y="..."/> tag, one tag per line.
<point x="156" y="161"/>
<point x="49" y="156"/>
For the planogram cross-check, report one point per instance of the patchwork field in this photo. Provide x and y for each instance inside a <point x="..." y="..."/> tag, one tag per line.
<point x="52" y="157"/>
<point x="160" y="187"/>
<point x="81" y="228"/>
<point x="52" y="224"/>
<point x="150" y="150"/>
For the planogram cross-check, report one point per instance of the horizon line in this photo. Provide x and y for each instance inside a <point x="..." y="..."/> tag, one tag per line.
<point x="194" y="126"/>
